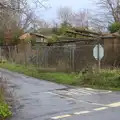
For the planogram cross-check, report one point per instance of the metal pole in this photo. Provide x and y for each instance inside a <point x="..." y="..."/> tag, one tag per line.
<point x="99" y="61"/>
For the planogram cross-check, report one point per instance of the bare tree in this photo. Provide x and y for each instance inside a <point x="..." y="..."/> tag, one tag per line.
<point x="110" y="9"/>
<point x="97" y="24"/>
<point x="22" y="12"/>
<point x="80" y="19"/>
<point x="107" y="13"/>
<point x="38" y="24"/>
<point x="18" y="15"/>
<point x="65" y="14"/>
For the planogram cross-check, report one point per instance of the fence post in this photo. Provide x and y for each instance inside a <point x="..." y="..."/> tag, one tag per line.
<point x="0" y="54"/>
<point x="9" y="53"/>
<point x="15" y="54"/>
<point x="37" y="57"/>
<point x="73" y="58"/>
<point x="47" y="56"/>
<point x="25" y="55"/>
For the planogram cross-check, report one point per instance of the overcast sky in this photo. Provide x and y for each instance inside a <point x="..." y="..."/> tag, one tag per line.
<point x="76" y="5"/>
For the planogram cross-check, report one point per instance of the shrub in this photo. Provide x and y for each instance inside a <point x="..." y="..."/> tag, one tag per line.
<point x="54" y="38"/>
<point x="106" y="79"/>
<point x="115" y="27"/>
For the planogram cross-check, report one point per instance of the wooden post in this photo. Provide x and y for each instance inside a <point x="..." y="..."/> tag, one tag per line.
<point x="15" y="54"/>
<point x="70" y="58"/>
<point x="25" y="55"/>
<point x="9" y="53"/>
<point x="1" y="54"/>
<point x="38" y="57"/>
<point x="73" y="60"/>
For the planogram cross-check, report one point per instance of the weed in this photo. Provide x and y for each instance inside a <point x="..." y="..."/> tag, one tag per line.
<point x="4" y="107"/>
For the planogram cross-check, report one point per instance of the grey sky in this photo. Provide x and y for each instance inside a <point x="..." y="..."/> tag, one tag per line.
<point x="50" y="14"/>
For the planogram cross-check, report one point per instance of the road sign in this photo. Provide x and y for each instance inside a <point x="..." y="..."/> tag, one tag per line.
<point x="98" y="52"/>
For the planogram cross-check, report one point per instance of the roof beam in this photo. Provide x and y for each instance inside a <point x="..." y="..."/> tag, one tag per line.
<point x="86" y="31"/>
<point x="82" y="34"/>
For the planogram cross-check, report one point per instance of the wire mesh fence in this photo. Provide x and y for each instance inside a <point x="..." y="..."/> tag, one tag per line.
<point x="61" y="58"/>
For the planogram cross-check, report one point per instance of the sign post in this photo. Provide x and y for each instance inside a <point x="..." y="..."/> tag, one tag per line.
<point x="98" y="53"/>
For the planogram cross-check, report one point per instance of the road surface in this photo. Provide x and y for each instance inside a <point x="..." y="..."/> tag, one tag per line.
<point x="43" y="100"/>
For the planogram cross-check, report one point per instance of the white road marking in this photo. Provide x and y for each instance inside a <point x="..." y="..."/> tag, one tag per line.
<point x="87" y="91"/>
<point x="81" y="92"/>
<point x="114" y="104"/>
<point x="79" y="101"/>
<point x="101" y="108"/>
<point x="60" y="117"/>
<point x="65" y="116"/>
<point x="101" y="91"/>
<point x="82" y="112"/>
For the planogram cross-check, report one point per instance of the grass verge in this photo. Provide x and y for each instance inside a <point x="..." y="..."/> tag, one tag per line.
<point x="4" y="106"/>
<point x="105" y="79"/>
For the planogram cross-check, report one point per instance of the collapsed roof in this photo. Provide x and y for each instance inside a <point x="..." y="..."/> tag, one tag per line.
<point x="90" y="34"/>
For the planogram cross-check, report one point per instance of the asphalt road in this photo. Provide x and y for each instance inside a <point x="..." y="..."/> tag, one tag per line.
<point x="42" y="100"/>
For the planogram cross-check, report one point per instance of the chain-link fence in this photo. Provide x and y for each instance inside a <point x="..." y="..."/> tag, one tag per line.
<point x="62" y="58"/>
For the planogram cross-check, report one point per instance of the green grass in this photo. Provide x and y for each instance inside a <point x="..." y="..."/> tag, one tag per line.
<point x="4" y="107"/>
<point x="62" y="78"/>
<point x="105" y="79"/>
<point x="4" y="110"/>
